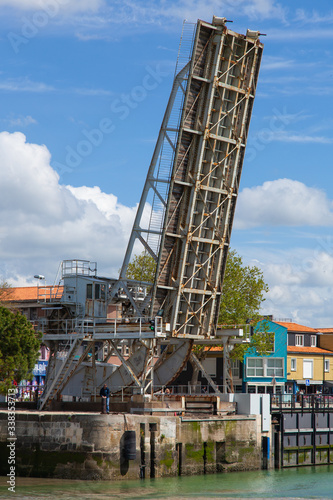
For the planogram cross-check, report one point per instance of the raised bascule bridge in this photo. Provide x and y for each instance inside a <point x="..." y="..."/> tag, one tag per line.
<point x="183" y="224"/>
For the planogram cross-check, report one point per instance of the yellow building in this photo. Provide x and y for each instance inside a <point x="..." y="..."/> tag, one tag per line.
<point x="326" y="338"/>
<point x="309" y="367"/>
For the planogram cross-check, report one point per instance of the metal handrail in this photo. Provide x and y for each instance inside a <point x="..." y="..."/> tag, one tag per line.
<point x="307" y="402"/>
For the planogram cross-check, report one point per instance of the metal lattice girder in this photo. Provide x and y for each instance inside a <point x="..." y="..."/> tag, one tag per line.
<point x="148" y="225"/>
<point x="149" y="233"/>
<point x="205" y="179"/>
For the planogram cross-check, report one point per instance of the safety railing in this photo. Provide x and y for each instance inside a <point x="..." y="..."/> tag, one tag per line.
<point x="124" y="392"/>
<point x="90" y="326"/>
<point x="304" y="402"/>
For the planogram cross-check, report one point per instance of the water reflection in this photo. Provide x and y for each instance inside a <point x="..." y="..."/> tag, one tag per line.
<point x="305" y="483"/>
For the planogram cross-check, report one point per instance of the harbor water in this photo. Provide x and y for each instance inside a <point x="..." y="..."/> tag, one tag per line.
<point x="294" y="483"/>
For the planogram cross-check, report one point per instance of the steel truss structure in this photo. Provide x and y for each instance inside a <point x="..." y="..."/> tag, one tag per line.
<point x="185" y="216"/>
<point x="205" y="179"/>
<point x="198" y="186"/>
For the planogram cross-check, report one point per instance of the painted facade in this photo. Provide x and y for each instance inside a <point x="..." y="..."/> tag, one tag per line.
<point x="267" y="374"/>
<point x="309" y="371"/>
<point x="308" y="364"/>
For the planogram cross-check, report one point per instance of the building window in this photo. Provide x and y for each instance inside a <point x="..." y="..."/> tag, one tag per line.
<point x="89" y="291"/>
<point x="264" y="367"/>
<point x="327" y="365"/>
<point x="235" y="368"/>
<point x="254" y="367"/>
<point x="274" y="367"/>
<point x="293" y="362"/>
<point x="299" y="340"/>
<point x="313" y="340"/>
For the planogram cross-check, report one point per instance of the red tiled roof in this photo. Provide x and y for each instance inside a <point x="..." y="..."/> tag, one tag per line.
<point x="23" y="293"/>
<point x="29" y="293"/>
<point x="325" y="330"/>
<point x="308" y="350"/>
<point x="295" y="327"/>
<point x="215" y="348"/>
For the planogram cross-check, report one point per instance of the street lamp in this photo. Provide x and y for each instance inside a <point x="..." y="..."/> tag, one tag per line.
<point x="40" y="277"/>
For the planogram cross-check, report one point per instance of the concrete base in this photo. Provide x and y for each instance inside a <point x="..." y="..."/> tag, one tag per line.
<point x="95" y="446"/>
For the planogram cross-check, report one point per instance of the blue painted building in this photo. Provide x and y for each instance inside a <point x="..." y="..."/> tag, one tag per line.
<point x="267" y="374"/>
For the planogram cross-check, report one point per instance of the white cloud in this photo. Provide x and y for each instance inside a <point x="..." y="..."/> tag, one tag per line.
<point x="107" y="204"/>
<point x="24" y="84"/>
<point x="21" y="121"/>
<point x="300" y="34"/>
<point x="87" y="37"/>
<point x="53" y="6"/>
<point x="44" y="222"/>
<point x="254" y="9"/>
<point x="164" y="15"/>
<point x="313" y="17"/>
<point x="307" y="268"/>
<point x="194" y="9"/>
<point x="153" y="11"/>
<point x="300" y="285"/>
<point x="285" y="136"/>
<point x="283" y="202"/>
<point x="105" y="20"/>
<point x="299" y="278"/>
<point x="273" y="63"/>
<point x="265" y="9"/>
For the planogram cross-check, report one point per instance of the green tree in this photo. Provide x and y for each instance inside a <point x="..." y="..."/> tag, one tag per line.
<point x="242" y="296"/>
<point x="19" y="347"/>
<point x="242" y="293"/>
<point x="142" y="268"/>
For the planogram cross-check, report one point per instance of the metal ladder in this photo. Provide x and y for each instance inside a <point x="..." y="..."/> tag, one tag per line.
<point x="56" y="383"/>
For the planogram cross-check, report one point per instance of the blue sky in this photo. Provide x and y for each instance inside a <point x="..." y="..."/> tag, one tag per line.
<point x="84" y="85"/>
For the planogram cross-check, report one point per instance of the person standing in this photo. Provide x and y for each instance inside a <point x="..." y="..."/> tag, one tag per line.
<point x="105" y="395"/>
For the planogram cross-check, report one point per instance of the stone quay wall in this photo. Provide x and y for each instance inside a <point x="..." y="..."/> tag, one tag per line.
<point x="126" y="446"/>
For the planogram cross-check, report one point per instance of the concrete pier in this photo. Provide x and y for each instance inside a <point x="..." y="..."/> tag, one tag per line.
<point x="127" y="446"/>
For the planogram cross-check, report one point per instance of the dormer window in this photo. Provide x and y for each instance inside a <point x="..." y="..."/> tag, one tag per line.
<point x="313" y="340"/>
<point x="299" y="340"/>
